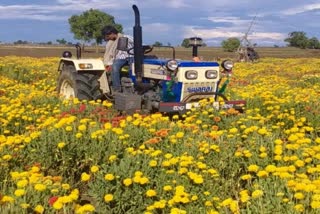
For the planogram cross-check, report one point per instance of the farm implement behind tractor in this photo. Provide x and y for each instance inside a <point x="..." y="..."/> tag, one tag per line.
<point x="151" y="84"/>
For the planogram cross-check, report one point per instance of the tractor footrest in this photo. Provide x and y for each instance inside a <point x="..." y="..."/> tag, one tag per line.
<point x="127" y="102"/>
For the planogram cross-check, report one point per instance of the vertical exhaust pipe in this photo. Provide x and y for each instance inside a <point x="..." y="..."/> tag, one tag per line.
<point x="138" y="50"/>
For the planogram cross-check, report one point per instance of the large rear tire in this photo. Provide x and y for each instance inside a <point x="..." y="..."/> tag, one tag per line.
<point x="84" y="86"/>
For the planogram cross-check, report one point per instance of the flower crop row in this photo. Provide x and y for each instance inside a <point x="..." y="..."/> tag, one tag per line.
<point x="81" y="157"/>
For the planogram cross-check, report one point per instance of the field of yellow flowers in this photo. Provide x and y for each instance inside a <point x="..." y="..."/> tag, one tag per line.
<point x="77" y="157"/>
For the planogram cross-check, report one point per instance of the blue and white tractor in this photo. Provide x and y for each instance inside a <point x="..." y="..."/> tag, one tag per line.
<point x="151" y="84"/>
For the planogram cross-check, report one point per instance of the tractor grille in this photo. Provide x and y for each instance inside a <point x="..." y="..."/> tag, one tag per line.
<point x="197" y="91"/>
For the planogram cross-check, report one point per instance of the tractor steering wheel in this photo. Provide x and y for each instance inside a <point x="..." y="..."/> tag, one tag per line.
<point x="146" y="49"/>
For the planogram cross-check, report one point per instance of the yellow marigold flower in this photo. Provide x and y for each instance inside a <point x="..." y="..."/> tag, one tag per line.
<point x="57" y="205"/>
<point x="151" y="193"/>
<point x="226" y="202"/>
<point x="177" y="211"/>
<point x="299" y="207"/>
<point x="127" y="181"/>
<point x="144" y="180"/>
<point x="198" y="180"/>
<point x="69" y="128"/>
<point x="271" y="168"/>
<point x="7" y="157"/>
<point x="94" y="169"/>
<point x="108" y="126"/>
<point x="19" y="192"/>
<point x="208" y="203"/>
<point x="112" y="158"/>
<point x="179" y="134"/>
<point x="85" y="209"/>
<point x="108" y="198"/>
<point x="194" y="198"/>
<point x="153" y="163"/>
<point x="262" y="174"/>
<point x="82" y="127"/>
<point x="65" y="186"/>
<point x="79" y="135"/>
<point x="263" y="155"/>
<point x="246" y="177"/>
<point x="22" y="183"/>
<point x="40" y="187"/>
<point x="109" y="177"/>
<point x="39" y="209"/>
<point x="299" y="163"/>
<point x="257" y="193"/>
<point x="233" y="130"/>
<point x="253" y="168"/>
<point x="212" y="212"/>
<point x="167" y="188"/>
<point x="61" y="145"/>
<point x="7" y="199"/>
<point x="315" y="204"/>
<point x="262" y="149"/>
<point x="85" y="177"/>
<point x="299" y="195"/>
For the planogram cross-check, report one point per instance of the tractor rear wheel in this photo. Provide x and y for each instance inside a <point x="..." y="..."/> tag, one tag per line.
<point x="84" y="86"/>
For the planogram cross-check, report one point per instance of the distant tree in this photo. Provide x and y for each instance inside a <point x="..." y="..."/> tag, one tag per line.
<point x="297" y="39"/>
<point x="168" y="44"/>
<point x="61" y="41"/>
<point x="313" y="43"/>
<point x="88" y="25"/>
<point x="275" y="46"/>
<point x="230" y="44"/>
<point x="20" y="42"/>
<point x="204" y="44"/>
<point x="185" y="43"/>
<point x="157" y="43"/>
<point x="49" y="43"/>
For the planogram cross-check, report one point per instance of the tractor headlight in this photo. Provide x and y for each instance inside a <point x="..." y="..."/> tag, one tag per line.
<point x="227" y="64"/>
<point x="211" y="74"/>
<point x="85" y="65"/>
<point x="172" y="65"/>
<point x="191" y="75"/>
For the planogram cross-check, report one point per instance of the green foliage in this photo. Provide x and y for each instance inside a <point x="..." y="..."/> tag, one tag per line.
<point x="88" y="25"/>
<point x="297" y="39"/>
<point x="61" y="41"/>
<point x="185" y="43"/>
<point x="313" y="43"/>
<point x="230" y="44"/>
<point x="157" y="43"/>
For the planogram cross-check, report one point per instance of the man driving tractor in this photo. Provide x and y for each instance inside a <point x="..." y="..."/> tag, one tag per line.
<point x="114" y="59"/>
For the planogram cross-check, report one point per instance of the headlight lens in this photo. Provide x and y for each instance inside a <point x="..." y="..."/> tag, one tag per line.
<point x="211" y="74"/>
<point x="227" y="64"/>
<point x="85" y="66"/>
<point x="191" y="75"/>
<point x="172" y="65"/>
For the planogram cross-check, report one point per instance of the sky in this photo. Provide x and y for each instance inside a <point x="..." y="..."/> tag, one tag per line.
<point x="166" y="21"/>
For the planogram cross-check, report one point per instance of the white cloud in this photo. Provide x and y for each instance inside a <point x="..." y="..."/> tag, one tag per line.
<point x="157" y="28"/>
<point x="301" y="9"/>
<point x="224" y="33"/>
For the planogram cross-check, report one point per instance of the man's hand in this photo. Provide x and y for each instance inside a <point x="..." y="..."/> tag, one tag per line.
<point x="108" y="68"/>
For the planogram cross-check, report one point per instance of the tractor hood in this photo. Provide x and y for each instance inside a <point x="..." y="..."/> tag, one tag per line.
<point x="181" y="63"/>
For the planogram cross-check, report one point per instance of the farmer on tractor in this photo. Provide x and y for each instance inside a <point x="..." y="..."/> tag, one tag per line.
<point x="114" y="59"/>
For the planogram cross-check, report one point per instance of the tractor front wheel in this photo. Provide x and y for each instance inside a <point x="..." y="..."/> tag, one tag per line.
<point x="84" y="86"/>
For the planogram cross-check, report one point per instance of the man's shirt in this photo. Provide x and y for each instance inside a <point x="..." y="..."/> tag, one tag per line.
<point x="124" y="54"/>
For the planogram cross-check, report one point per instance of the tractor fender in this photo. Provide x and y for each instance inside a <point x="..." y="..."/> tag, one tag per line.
<point x="83" y="64"/>
<point x="95" y="66"/>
